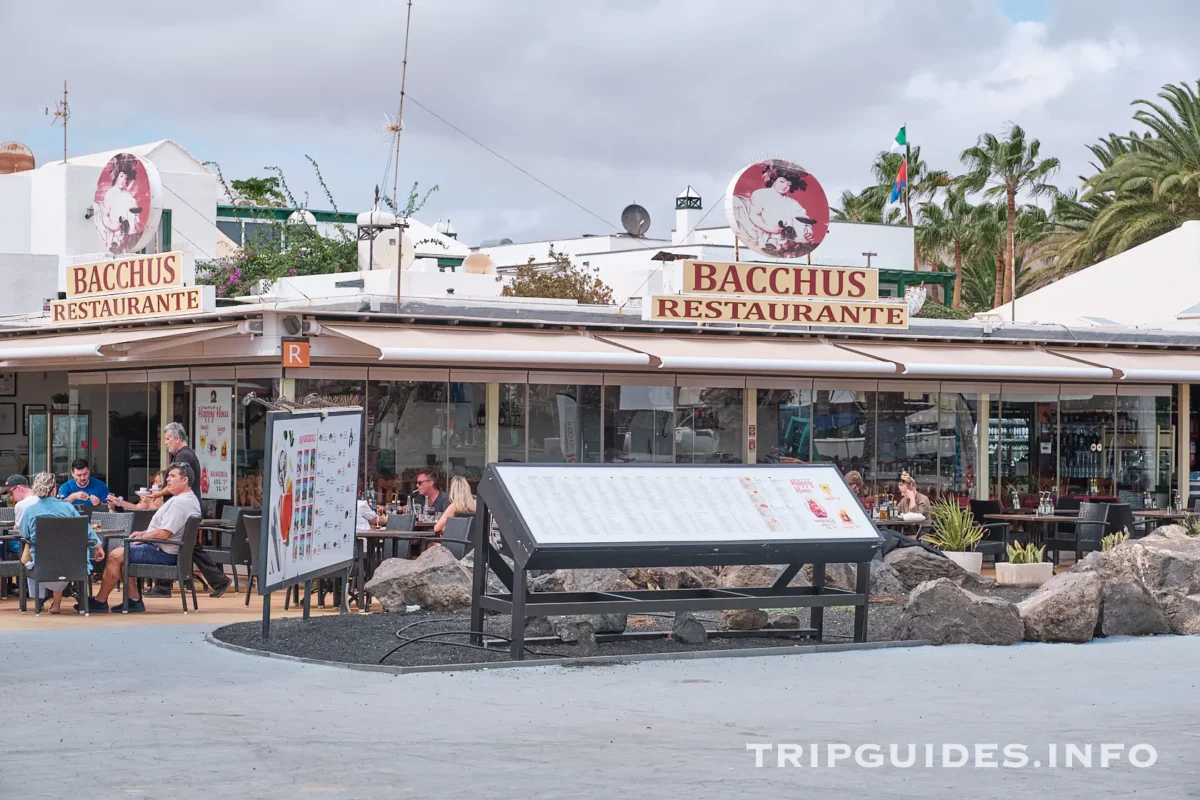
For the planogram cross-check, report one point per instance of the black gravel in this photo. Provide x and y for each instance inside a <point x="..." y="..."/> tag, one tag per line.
<point x="368" y="638"/>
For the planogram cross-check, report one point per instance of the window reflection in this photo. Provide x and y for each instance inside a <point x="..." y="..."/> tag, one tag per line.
<point x="638" y="423"/>
<point x="1086" y="440"/>
<point x="1145" y="446"/>
<point x="564" y="423"/>
<point x="907" y="439"/>
<point x="785" y="425"/>
<point x="844" y="431"/>
<point x="709" y="427"/>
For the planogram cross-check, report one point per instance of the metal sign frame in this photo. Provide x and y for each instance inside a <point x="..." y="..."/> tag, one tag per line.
<point x="307" y="578"/>
<point x="495" y="502"/>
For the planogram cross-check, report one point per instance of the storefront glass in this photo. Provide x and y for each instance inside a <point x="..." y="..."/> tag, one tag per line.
<point x="465" y="433"/>
<point x="844" y="429"/>
<point x="710" y="425"/>
<point x="564" y="423"/>
<point x="639" y="423"/>
<point x="132" y="450"/>
<point x="81" y="433"/>
<point x="785" y="425"/>
<point x="907" y="435"/>
<point x="962" y="411"/>
<point x="1086" y="440"/>
<point x="511" y="420"/>
<point x="251" y="439"/>
<point x="1145" y="456"/>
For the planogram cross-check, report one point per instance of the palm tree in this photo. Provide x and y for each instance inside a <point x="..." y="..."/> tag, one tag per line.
<point x="923" y="183"/>
<point x="947" y="228"/>
<point x="863" y="207"/>
<point x="1007" y="167"/>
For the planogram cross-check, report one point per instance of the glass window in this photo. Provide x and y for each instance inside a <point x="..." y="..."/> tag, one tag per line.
<point x="907" y="437"/>
<point x="1086" y="441"/>
<point x="511" y="419"/>
<point x="267" y="235"/>
<point x="82" y="433"/>
<point x="638" y="423"/>
<point x="251" y="440"/>
<point x="465" y="437"/>
<point x="960" y="419"/>
<point x="710" y="425"/>
<point x="564" y="423"/>
<point x="1026" y="446"/>
<point x="132" y="454"/>
<point x="231" y="228"/>
<point x="844" y="431"/>
<point x="785" y="425"/>
<point x="1145" y="445"/>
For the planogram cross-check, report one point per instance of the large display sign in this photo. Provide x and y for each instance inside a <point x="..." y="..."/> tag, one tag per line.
<point x="214" y="440"/>
<point x="128" y="203"/>
<point x="627" y="504"/>
<point x="795" y="312"/>
<point x="777" y="208"/>
<point x="187" y="300"/>
<point x="310" y="492"/>
<point x="780" y="280"/>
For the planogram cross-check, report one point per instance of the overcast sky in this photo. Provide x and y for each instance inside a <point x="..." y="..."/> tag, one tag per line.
<point x="608" y="101"/>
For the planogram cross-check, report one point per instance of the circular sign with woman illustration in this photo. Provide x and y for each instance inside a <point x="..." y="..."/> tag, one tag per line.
<point x="777" y="208"/>
<point x="128" y="203"/>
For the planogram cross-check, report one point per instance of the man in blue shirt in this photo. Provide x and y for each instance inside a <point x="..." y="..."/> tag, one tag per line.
<point x="83" y="489"/>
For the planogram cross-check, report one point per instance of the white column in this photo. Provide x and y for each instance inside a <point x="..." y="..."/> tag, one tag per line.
<point x="983" y="479"/>
<point x="751" y="406"/>
<point x="493" y="423"/>
<point x="1183" y="446"/>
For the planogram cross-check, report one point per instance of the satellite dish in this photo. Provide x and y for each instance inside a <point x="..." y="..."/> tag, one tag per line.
<point x="15" y="157"/>
<point x="408" y="251"/>
<point x="478" y="264"/>
<point x="635" y="220"/>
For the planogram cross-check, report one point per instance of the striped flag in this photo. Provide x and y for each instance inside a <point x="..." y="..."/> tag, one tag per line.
<point x="901" y="181"/>
<point x="901" y="140"/>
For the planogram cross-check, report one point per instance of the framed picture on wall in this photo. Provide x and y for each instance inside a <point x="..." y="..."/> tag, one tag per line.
<point x="8" y="384"/>
<point x="26" y="410"/>
<point x="8" y="418"/>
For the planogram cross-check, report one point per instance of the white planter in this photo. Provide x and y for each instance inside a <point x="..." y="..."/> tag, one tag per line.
<point x="971" y="562"/>
<point x="1027" y="575"/>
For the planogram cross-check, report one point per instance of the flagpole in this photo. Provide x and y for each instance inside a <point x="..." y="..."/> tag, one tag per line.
<point x="907" y="184"/>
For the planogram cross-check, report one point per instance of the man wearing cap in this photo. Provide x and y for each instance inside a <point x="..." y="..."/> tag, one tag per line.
<point x="17" y="487"/>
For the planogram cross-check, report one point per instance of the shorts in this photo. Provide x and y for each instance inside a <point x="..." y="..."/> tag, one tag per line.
<point x="144" y="553"/>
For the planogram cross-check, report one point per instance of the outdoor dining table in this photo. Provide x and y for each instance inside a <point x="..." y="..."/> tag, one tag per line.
<point x="1152" y="515"/>
<point x="1023" y="521"/>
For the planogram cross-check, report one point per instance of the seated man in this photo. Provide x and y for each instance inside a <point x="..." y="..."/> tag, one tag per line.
<point x="159" y="544"/>
<point x="83" y="489"/>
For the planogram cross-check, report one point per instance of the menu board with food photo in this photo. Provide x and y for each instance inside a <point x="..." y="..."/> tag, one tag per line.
<point x="213" y="441"/>
<point x="309" y="493"/>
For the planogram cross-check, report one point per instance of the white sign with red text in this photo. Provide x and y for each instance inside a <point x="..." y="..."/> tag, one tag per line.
<point x="214" y="441"/>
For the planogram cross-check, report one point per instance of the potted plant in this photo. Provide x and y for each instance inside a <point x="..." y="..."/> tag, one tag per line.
<point x="1114" y="539"/>
<point x="956" y="534"/>
<point x="1025" y="567"/>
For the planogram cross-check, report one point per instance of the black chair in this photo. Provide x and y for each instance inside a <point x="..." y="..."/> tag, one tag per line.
<point x="235" y="552"/>
<point x="252" y="526"/>
<point x="8" y="517"/>
<point x="180" y="571"/>
<point x="60" y="553"/>
<point x="401" y="522"/>
<point x="142" y="517"/>
<point x="996" y="535"/>
<point x="1120" y="518"/>
<point x="1088" y="532"/>
<point x="457" y="536"/>
<point x="11" y="567"/>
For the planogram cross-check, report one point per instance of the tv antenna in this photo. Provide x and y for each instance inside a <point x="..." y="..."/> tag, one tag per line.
<point x="398" y="126"/>
<point x="62" y="112"/>
<point x="635" y="220"/>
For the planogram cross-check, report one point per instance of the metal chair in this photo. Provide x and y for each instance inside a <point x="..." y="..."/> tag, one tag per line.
<point x="11" y="568"/>
<point x="60" y="553"/>
<point x="1120" y="518"/>
<point x="180" y="571"/>
<point x="996" y="535"/>
<point x="457" y="536"/>
<point x="252" y="528"/>
<point x="8" y="517"/>
<point x="1089" y="531"/>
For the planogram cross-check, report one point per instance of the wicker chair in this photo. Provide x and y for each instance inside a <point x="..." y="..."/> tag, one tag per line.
<point x="252" y="526"/>
<point x="457" y="536"/>
<point x="60" y="553"/>
<point x="8" y="517"/>
<point x="1088" y="532"/>
<point x="235" y="553"/>
<point x="180" y="571"/>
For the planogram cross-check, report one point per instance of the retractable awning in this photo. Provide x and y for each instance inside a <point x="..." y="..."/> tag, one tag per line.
<point x="411" y="345"/>
<point x="948" y="361"/>
<point x="737" y="354"/>
<point x="98" y="344"/>
<point x="1143" y="365"/>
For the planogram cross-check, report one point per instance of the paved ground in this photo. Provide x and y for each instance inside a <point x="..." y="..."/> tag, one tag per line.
<point x="198" y="721"/>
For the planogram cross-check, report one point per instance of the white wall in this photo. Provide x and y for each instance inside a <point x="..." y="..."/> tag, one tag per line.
<point x="28" y="280"/>
<point x="514" y="255"/>
<point x="417" y="283"/>
<point x="14" y="211"/>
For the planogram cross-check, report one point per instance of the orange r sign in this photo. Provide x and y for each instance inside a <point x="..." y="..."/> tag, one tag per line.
<point x="295" y="352"/>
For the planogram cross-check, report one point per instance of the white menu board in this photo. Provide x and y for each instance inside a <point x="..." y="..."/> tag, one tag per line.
<point x="310" y="492"/>
<point x="214" y="441"/>
<point x="626" y="504"/>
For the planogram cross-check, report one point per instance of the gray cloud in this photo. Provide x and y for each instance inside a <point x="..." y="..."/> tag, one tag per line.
<point x="611" y="102"/>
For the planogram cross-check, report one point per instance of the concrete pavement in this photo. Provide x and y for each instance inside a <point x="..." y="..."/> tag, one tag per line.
<point x="155" y="710"/>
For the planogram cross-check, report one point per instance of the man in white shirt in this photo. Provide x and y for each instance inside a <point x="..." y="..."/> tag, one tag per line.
<point x="18" y="489"/>
<point x="159" y="543"/>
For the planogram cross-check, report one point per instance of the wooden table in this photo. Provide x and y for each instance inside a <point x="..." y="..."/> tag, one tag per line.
<point x="1024" y="519"/>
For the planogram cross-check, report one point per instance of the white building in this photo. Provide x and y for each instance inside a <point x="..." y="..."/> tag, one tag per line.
<point x="631" y="266"/>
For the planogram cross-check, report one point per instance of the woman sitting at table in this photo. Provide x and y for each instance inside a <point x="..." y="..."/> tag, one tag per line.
<point x="48" y="505"/>
<point x="912" y="501"/>
<point x="152" y="498"/>
<point x="462" y="503"/>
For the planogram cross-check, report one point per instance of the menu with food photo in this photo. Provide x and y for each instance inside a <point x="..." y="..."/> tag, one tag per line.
<point x="214" y="435"/>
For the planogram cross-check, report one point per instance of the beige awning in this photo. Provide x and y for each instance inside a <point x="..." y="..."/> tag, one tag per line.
<point x="757" y="355"/>
<point x="951" y="361"/>
<point x="98" y="344"/>
<point x="413" y="345"/>
<point x="1143" y="365"/>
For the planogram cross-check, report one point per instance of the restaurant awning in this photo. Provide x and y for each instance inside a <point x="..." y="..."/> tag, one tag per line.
<point x="449" y="346"/>
<point x="98" y="344"/>
<point x="948" y="361"/>
<point x="1143" y="365"/>
<point x="736" y="354"/>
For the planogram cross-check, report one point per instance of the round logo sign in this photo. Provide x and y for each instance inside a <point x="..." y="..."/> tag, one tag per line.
<point x="777" y="208"/>
<point x="128" y="203"/>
